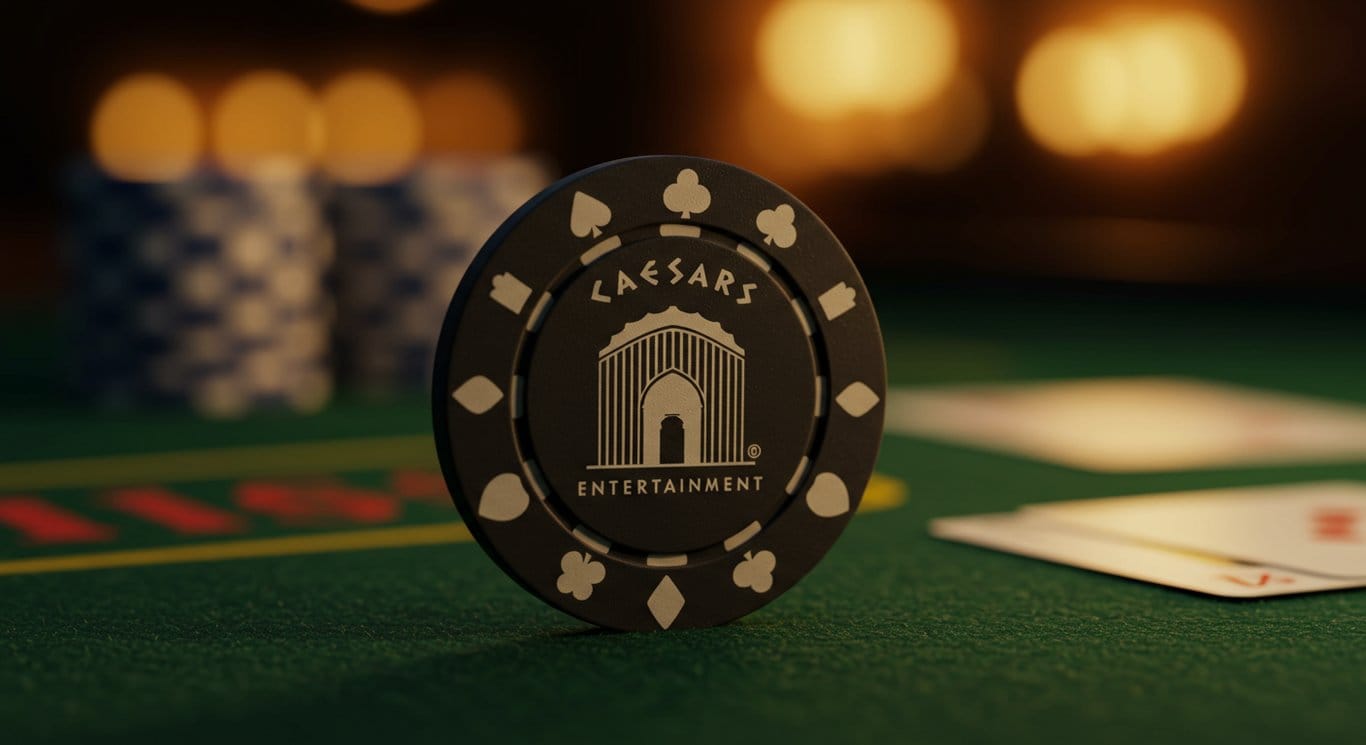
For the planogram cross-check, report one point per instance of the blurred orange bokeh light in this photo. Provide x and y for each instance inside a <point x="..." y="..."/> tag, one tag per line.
<point x="373" y="128"/>
<point x="470" y="113"/>
<point x="147" y="127"/>
<point x="390" y="7"/>
<point x="861" y="86"/>
<point x="826" y="58"/>
<point x="1137" y="85"/>
<point x="946" y="133"/>
<point x="266" y="118"/>
<point x="938" y="137"/>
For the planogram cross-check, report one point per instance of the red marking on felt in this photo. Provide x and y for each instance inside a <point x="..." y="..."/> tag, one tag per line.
<point x="424" y="485"/>
<point x="175" y="512"/>
<point x="42" y="522"/>
<point x="312" y="504"/>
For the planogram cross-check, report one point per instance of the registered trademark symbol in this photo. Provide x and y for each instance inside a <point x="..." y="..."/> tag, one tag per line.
<point x="753" y="451"/>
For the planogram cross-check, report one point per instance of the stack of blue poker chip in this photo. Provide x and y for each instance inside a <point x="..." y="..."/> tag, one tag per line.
<point x="402" y="249"/>
<point x="209" y="291"/>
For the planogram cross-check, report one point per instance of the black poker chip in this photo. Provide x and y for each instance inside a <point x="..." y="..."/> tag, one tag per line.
<point x="659" y="393"/>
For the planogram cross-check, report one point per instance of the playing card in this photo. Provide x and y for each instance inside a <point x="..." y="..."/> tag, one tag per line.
<point x="1027" y="535"/>
<point x="1316" y="527"/>
<point x="1135" y="424"/>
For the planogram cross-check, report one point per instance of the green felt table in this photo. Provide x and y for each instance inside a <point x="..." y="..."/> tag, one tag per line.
<point x="314" y="635"/>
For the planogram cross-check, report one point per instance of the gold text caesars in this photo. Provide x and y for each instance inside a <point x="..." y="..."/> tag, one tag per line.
<point x="654" y="273"/>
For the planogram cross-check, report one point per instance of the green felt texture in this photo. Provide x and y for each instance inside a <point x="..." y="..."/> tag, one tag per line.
<point x="896" y="637"/>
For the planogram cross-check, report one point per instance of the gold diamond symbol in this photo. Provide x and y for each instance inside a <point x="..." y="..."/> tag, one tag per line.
<point x="665" y="603"/>
<point x="857" y="399"/>
<point x="478" y="394"/>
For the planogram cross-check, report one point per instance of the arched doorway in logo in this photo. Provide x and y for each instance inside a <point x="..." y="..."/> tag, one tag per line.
<point x="671" y="415"/>
<point x="671" y="440"/>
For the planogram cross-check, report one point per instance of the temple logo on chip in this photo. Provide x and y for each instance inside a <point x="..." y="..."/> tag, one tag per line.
<point x="670" y="387"/>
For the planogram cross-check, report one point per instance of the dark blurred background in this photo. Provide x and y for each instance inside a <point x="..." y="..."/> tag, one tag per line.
<point x="1271" y="197"/>
<point x="1187" y="148"/>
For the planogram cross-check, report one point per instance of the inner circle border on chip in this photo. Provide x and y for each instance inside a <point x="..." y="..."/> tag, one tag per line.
<point x="536" y="467"/>
<point x="477" y="394"/>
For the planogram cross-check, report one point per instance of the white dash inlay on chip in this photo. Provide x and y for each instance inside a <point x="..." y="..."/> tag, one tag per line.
<point x="538" y="313"/>
<point x="798" y="475"/>
<point x="537" y="479"/>
<point x="746" y="533"/>
<point x="820" y="396"/>
<point x="592" y="540"/>
<point x="666" y="560"/>
<point x="685" y="231"/>
<point x="600" y="249"/>
<point x="754" y="256"/>
<point x="802" y="315"/>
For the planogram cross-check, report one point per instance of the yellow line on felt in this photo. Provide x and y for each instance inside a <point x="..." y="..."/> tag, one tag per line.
<point x="883" y="493"/>
<point x="229" y="462"/>
<point x="351" y="540"/>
